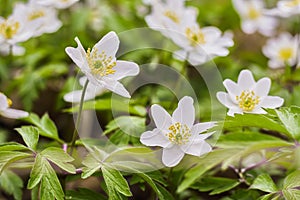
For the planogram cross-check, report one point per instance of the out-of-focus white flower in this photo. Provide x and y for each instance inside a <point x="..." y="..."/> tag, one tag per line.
<point x="177" y="134"/>
<point x="253" y="18"/>
<point x="8" y="112"/>
<point x="282" y="50"/>
<point x="17" y="29"/>
<point x="16" y="50"/>
<point x="59" y="4"/>
<point x="91" y="92"/>
<point x="100" y="66"/>
<point x="200" y="45"/>
<point x="248" y="96"/>
<point x="286" y="8"/>
<point x="46" y="15"/>
<point x="169" y="15"/>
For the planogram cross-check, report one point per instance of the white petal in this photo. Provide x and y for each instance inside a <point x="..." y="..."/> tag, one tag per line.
<point x="3" y="102"/>
<point x="258" y="110"/>
<point x="82" y="80"/>
<point x="196" y="149"/>
<point x="109" y="44"/>
<point x="262" y="87"/>
<point x="78" y="55"/>
<point x="115" y="87"/>
<point x="271" y="102"/>
<point x="154" y="138"/>
<point x="225" y="99"/>
<point x="185" y="112"/>
<point x="75" y="96"/>
<point x="201" y="127"/>
<point x="161" y="117"/>
<point x="172" y="156"/>
<point x="232" y="88"/>
<point x="13" y="113"/>
<point x="124" y="69"/>
<point x="234" y="110"/>
<point x="246" y="80"/>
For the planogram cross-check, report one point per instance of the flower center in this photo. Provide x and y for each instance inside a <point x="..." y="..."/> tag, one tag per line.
<point x="195" y="36"/>
<point x="253" y="13"/>
<point x="35" y="14"/>
<point x="172" y="15"/>
<point x="285" y="53"/>
<point x="293" y="3"/>
<point x="179" y="133"/>
<point x="100" y="64"/>
<point x="9" y="28"/>
<point x="247" y="100"/>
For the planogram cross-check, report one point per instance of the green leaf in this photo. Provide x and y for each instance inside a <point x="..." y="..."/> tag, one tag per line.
<point x="115" y="182"/>
<point x="43" y="173"/>
<point x="30" y="135"/>
<point x="60" y="158"/>
<point x="264" y="183"/>
<point x="83" y="193"/>
<point x="106" y="104"/>
<point x="130" y="125"/>
<point x="292" y="180"/>
<point x="8" y="157"/>
<point x="253" y="120"/>
<point x="11" y="184"/>
<point x="290" y="117"/>
<point x="216" y="185"/>
<point x="204" y="164"/>
<point x="291" y="194"/>
<point x="46" y="126"/>
<point x="12" y="146"/>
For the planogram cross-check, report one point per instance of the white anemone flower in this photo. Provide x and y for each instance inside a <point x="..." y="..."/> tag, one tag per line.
<point x="59" y="4"/>
<point x="282" y="50"/>
<point x="253" y="17"/>
<point x="248" y="96"/>
<point x="8" y="112"/>
<point x="177" y="134"/>
<point x="17" y="29"/>
<point x="200" y="45"/>
<point x="100" y="66"/>
<point x="167" y="16"/>
<point x="286" y="8"/>
<point x="91" y="92"/>
<point x="46" y="15"/>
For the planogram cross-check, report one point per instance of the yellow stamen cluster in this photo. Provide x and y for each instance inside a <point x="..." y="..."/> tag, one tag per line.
<point x="172" y="15"/>
<point x="247" y="100"/>
<point x="195" y="36"/>
<point x="253" y="13"/>
<point x="293" y="3"/>
<point x="100" y="64"/>
<point x="285" y="53"/>
<point x="179" y="134"/>
<point x="9" y="101"/>
<point x="35" y="15"/>
<point x="9" y="28"/>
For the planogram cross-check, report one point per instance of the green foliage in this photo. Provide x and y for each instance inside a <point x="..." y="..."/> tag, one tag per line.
<point x="290" y="118"/>
<point x="30" y="136"/>
<point x="11" y="183"/>
<point x="264" y="183"/>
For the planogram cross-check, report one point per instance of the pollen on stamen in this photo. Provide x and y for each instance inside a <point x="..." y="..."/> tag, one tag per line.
<point x="195" y="36"/>
<point x="35" y="15"/>
<point x="179" y="134"/>
<point x="285" y="53"/>
<point x="248" y="100"/>
<point x="253" y="13"/>
<point x="9" y="28"/>
<point x="100" y="64"/>
<point x="172" y="15"/>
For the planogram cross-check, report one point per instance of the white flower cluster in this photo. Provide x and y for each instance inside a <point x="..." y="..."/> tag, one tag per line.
<point x="31" y="19"/>
<point x="179" y="23"/>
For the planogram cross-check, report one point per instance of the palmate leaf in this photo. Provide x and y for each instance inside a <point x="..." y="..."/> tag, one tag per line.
<point x="11" y="183"/>
<point x="264" y="183"/>
<point x="290" y="117"/>
<point x="115" y="183"/>
<point x="254" y="120"/>
<point x="45" y="125"/>
<point x="43" y="173"/>
<point x="30" y="136"/>
<point x="8" y="157"/>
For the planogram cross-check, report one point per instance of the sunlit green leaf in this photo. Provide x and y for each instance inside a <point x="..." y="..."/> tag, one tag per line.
<point x="264" y="183"/>
<point x="30" y="136"/>
<point x="11" y="183"/>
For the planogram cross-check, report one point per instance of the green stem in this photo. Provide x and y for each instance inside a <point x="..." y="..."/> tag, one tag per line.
<point x="75" y="133"/>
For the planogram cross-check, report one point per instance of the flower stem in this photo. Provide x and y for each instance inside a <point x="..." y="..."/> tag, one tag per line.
<point x="75" y="133"/>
